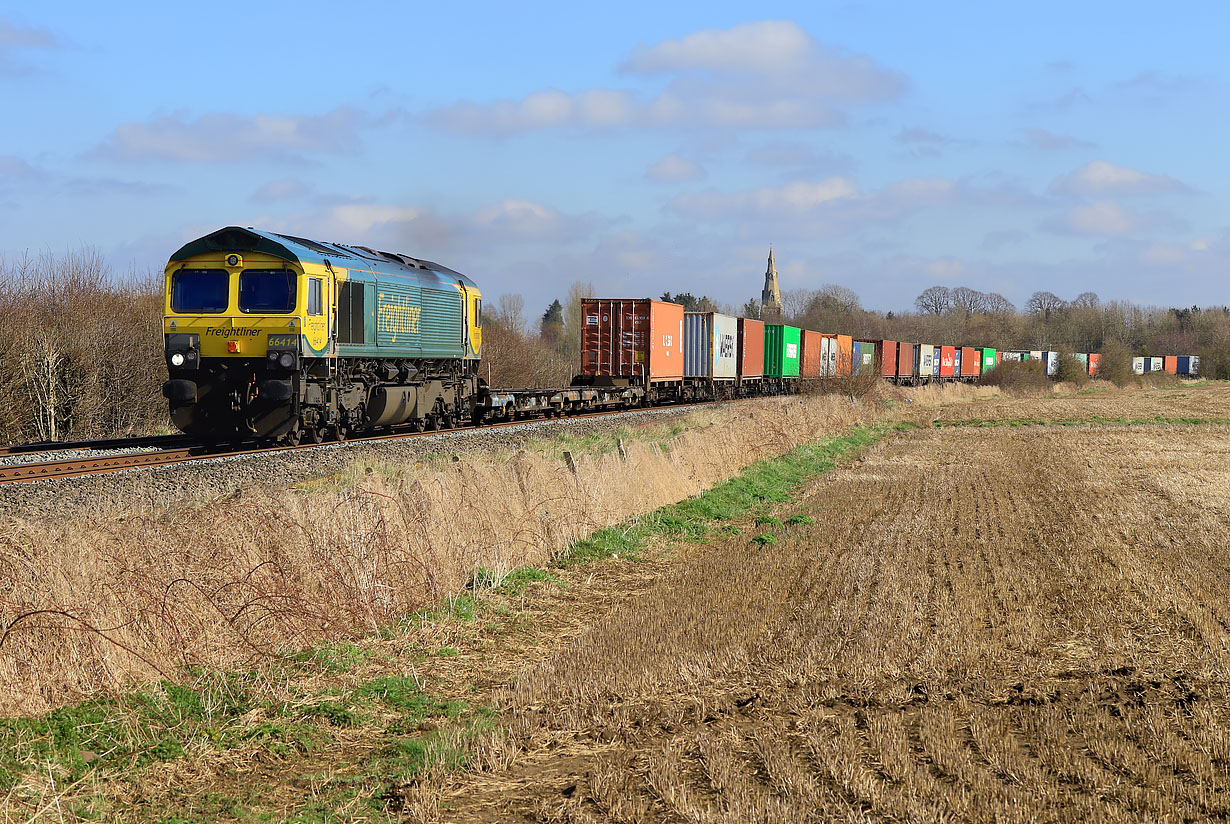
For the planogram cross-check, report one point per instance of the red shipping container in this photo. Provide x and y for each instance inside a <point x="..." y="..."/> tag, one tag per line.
<point x="971" y="361"/>
<point x="811" y="362"/>
<point x="887" y="353"/>
<point x="948" y="357"/>
<point x="637" y="339"/>
<point x="751" y="348"/>
<point x="1170" y="363"/>
<point x="905" y="360"/>
<point x="999" y="357"/>
<point x="1094" y="360"/>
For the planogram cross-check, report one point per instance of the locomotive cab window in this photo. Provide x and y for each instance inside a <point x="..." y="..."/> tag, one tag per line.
<point x="313" y="301"/>
<point x="478" y="313"/>
<point x="267" y="291"/>
<point x="200" y="291"/>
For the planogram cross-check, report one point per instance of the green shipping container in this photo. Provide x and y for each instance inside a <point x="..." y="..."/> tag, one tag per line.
<point x="781" y="351"/>
<point x="988" y="360"/>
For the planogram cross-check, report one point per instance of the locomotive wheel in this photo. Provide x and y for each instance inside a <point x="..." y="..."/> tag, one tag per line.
<point x="339" y="433"/>
<point x="316" y="434"/>
<point x="447" y="422"/>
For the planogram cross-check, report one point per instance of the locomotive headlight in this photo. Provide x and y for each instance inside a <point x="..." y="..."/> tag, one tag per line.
<point x="191" y="355"/>
<point x="177" y="359"/>
<point x="287" y="360"/>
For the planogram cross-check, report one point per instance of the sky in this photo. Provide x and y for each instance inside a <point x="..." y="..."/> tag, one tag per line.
<point x="639" y="147"/>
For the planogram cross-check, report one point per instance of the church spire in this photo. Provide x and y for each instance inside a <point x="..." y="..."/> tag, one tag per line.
<point x="771" y="296"/>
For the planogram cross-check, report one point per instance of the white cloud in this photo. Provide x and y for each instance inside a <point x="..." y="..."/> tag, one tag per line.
<point x="14" y="38"/>
<point x="221" y="138"/>
<point x="674" y="169"/>
<point x="1050" y="141"/>
<point x="1107" y="218"/>
<point x="15" y="170"/>
<point x="798" y="198"/>
<point x="288" y="188"/>
<point x="1101" y="179"/>
<point x="770" y="75"/>
<point x="767" y="46"/>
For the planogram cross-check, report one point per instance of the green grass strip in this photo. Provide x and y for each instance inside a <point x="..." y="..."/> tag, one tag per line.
<point x="1092" y="420"/>
<point x="757" y="487"/>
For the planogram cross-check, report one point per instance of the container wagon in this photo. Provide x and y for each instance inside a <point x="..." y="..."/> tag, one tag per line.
<point x="948" y="361"/>
<point x="782" y="350"/>
<point x="1094" y="359"/>
<point x="990" y="357"/>
<point x="971" y="362"/>
<point x="710" y="354"/>
<point x="751" y="354"/>
<point x="926" y="362"/>
<point x="907" y="363"/>
<point x="888" y="359"/>
<point x="633" y="342"/>
<point x="1187" y="365"/>
<point x="812" y="357"/>
<point x="1155" y="364"/>
<point x="843" y="356"/>
<point x="865" y="354"/>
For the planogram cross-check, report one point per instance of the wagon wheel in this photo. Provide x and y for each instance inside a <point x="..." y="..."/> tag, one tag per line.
<point x="339" y="432"/>
<point x="316" y="434"/>
<point x="293" y="437"/>
<point x="447" y="422"/>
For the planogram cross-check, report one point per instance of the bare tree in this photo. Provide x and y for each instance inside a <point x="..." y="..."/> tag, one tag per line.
<point x="999" y="305"/>
<point x="1045" y="304"/>
<point x="1086" y="300"/>
<point x="510" y="310"/>
<point x="968" y="301"/>
<point x="934" y="301"/>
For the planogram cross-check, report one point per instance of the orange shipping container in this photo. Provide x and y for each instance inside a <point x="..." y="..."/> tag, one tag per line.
<point x="888" y="358"/>
<point x="971" y="361"/>
<point x="751" y="348"/>
<point x="1171" y="364"/>
<point x="845" y="356"/>
<point x="812" y="361"/>
<point x="1094" y="359"/>
<point x="637" y="339"/>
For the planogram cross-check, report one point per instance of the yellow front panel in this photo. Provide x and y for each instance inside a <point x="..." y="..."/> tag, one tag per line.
<point x="249" y="331"/>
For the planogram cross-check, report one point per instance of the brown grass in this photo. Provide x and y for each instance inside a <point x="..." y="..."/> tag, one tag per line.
<point x="126" y="598"/>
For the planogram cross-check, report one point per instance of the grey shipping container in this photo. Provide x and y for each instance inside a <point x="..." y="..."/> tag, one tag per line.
<point x="710" y="346"/>
<point x="1139" y="365"/>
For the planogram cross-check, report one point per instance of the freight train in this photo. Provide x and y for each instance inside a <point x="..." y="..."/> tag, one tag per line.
<point x="278" y="338"/>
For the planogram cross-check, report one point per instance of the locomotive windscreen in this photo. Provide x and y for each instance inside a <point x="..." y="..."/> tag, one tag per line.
<point x="200" y="291"/>
<point x="265" y="291"/>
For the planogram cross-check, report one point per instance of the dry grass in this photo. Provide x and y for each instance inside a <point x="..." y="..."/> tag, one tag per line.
<point x="1012" y="624"/>
<point x="129" y="598"/>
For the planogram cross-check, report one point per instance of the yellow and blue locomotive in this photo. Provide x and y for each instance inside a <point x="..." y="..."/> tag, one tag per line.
<point x="280" y="338"/>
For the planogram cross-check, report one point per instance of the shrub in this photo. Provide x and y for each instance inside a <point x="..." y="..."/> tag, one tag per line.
<point x="1018" y="377"/>
<point x="1071" y="370"/>
<point x="1116" y="365"/>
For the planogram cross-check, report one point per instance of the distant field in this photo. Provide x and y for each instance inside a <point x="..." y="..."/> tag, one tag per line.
<point x="1009" y="623"/>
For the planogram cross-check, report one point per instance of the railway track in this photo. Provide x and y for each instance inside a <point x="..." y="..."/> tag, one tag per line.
<point x="113" y="462"/>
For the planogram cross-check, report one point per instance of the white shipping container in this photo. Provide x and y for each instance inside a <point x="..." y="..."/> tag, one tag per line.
<point x="926" y="360"/>
<point x="1156" y="365"/>
<point x="1138" y="365"/>
<point x="1013" y="356"/>
<point x="828" y="357"/>
<point x="1035" y="354"/>
<point x="710" y="346"/>
<point x="1194" y="365"/>
<point x="1052" y="363"/>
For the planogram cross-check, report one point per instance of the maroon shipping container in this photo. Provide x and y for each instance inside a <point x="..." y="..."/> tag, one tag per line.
<point x="887" y="353"/>
<point x="751" y="348"/>
<point x="948" y="357"/>
<point x="905" y="359"/>
<point x="637" y="339"/>
<point x="971" y="361"/>
<point x="812" y="361"/>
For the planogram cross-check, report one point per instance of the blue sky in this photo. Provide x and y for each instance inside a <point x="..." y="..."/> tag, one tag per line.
<point x="882" y="146"/>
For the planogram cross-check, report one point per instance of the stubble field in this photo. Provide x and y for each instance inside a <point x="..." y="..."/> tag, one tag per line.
<point x="1011" y="623"/>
